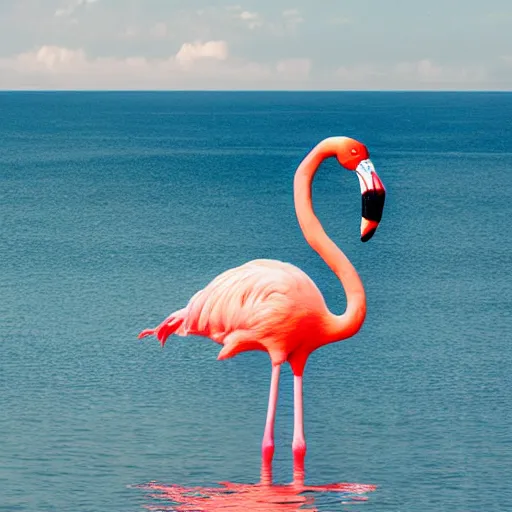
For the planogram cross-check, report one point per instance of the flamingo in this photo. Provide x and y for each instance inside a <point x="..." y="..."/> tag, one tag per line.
<point x="274" y="306"/>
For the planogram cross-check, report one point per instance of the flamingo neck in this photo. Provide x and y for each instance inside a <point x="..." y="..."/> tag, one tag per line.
<point x="349" y="323"/>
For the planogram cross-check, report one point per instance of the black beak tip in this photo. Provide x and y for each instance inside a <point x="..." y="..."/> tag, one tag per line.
<point x="368" y="235"/>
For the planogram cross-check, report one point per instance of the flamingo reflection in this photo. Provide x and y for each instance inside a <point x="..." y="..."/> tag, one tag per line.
<point x="263" y="496"/>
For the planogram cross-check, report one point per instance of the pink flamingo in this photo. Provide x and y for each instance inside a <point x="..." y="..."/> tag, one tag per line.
<point x="274" y="306"/>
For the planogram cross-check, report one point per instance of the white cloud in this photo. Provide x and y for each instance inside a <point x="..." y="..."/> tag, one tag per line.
<point x="190" y="52"/>
<point x="72" y="7"/>
<point x="253" y="19"/>
<point x="200" y="65"/>
<point x="54" y="67"/>
<point x="46" y="58"/>
<point x="286" y="22"/>
<point x="58" y="60"/>
<point x="247" y="15"/>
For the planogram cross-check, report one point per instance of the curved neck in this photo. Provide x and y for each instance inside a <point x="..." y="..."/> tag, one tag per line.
<point x="347" y="324"/>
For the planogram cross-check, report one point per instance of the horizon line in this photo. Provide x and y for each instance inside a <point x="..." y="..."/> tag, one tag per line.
<point x="263" y="90"/>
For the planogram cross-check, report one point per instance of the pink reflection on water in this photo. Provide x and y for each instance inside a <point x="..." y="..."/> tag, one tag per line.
<point x="250" y="497"/>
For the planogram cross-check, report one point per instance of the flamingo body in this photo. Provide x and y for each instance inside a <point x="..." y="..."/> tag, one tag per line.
<point x="262" y="305"/>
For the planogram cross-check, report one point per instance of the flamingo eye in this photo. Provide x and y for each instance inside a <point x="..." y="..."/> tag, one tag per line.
<point x="353" y="151"/>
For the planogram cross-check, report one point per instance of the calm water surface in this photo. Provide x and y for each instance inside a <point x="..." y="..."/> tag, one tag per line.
<point x="117" y="207"/>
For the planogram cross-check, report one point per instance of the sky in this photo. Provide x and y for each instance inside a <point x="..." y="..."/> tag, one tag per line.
<point x="256" y="44"/>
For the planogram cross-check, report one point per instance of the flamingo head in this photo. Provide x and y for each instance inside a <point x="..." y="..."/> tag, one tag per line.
<point x="354" y="156"/>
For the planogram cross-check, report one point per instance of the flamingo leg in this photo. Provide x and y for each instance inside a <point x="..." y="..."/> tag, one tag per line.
<point x="299" y="440"/>
<point x="267" y="446"/>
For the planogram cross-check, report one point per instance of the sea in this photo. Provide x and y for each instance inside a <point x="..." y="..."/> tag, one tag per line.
<point x="116" y="207"/>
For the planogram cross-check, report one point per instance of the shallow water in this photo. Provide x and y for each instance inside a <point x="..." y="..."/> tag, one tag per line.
<point x="117" y="207"/>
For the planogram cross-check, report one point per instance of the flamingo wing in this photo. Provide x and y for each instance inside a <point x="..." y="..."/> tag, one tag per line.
<point x="262" y="305"/>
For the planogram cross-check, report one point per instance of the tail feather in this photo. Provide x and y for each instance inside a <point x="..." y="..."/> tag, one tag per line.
<point x="170" y="325"/>
<point x="146" y="332"/>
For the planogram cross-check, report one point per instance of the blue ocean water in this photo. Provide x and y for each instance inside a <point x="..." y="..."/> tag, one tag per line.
<point x="117" y="207"/>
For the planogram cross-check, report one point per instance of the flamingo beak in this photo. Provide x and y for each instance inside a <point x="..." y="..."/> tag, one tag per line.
<point x="373" y="196"/>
